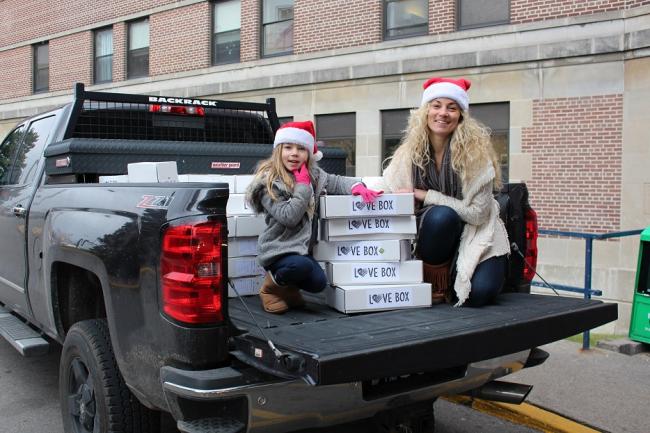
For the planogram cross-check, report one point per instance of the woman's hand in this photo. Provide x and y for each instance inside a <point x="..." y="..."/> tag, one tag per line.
<point x="302" y="175"/>
<point x="420" y="194"/>
<point x="368" y="195"/>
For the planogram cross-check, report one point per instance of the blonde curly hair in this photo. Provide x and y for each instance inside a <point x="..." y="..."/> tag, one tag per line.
<point x="471" y="148"/>
<point x="273" y="168"/>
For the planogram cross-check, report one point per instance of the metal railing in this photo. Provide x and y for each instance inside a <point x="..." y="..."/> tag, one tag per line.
<point x="587" y="291"/>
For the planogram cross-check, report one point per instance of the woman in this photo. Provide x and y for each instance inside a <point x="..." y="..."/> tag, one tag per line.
<point x="446" y="159"/>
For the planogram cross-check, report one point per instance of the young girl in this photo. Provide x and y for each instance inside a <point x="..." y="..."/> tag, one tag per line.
<point x="286" y="188"/>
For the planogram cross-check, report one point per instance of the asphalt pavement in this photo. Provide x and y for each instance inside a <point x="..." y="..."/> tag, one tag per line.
<point x="598" y="389"/>
<point x="607" y="391"/>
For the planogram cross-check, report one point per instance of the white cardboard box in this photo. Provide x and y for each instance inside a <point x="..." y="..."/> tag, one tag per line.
<point x="346" y="206"/>
<point x="237" y="205"/>
<point x="363" y="226"/>
<point x="209" y="178"/>
<point x="152" y="172"/>
<point x="370" y="250"/>
<point x="241" y="182"/>
<point x="363" y="273"/>
<point x="120" y="178"/>
<point x="355" y="299"/>
<point x="249" y="225"/>
<point x="244" y="267"/>
<point x="245" y="226"/>
<point x="245" y="286"/>
<point x="241" y="247"/>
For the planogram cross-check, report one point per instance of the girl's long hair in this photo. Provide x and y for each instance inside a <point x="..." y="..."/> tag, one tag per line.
<point x="471" y="147"/>
<point x="271" y="169"/>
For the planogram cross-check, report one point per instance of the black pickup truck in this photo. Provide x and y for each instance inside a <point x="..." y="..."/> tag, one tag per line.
<point x="132" y="280"/>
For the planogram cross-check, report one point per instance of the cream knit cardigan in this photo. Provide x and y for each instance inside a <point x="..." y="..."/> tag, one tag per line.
<point x="484" y="234"/>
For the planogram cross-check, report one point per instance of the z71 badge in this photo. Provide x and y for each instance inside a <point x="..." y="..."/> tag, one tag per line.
<point x="155" y="202"/>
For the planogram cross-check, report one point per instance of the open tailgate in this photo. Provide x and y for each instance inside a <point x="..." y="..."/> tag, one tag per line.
<point x="326" y="347"/>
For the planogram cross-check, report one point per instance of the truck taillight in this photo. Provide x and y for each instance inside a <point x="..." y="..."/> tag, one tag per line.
<point x="530" y="253"/>
<point x="192" y="272"/>
<point x="178" y="109"/>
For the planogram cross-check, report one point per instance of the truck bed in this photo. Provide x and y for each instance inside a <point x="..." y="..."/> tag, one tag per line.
<point x="323" y="346"/>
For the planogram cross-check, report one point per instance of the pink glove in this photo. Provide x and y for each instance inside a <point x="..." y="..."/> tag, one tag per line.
<point x="368" y="195"/>
<point x="302" y="175"/>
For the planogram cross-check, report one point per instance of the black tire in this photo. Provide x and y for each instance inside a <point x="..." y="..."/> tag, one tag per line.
<point x="93" y="395"/>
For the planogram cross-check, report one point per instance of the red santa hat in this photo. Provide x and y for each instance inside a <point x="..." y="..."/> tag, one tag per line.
<point x="451" y="88"/>
<point x="301" y="133"/>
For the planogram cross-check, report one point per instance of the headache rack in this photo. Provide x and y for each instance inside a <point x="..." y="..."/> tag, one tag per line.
<point x="108" y="131"/>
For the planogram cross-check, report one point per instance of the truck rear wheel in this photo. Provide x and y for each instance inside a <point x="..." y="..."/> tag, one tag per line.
<point x="93" y="395"/>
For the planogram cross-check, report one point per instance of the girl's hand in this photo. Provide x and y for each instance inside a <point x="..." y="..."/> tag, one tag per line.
<point x="302" y="175"/>
<point x="368" y="195"/>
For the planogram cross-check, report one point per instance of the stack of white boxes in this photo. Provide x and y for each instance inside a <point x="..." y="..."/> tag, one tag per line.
<point x="366" y="252"/>
<point x="244" y="227"/>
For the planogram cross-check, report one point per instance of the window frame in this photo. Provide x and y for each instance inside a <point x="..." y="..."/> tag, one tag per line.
<point x="129" y="62"/>
<point x="384" y="29"/>
<point x="319" y="118"/>
<point x="213" y="55"/>
<point x="96" y="57"/>
<point x="384" y="135"/>
<point x="36" y="69"/>
<point x="460" y="27"/>
<point x="263" y="25"/>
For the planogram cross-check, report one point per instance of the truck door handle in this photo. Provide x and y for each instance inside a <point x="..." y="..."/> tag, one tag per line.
<point x="19" y="211"/>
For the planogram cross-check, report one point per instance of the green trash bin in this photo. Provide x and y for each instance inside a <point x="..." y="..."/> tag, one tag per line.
<point x="640" y="322"/>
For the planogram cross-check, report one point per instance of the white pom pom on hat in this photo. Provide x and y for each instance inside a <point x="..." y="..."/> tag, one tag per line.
<point x="301" y="133"/>
<point x="451" y="88"/>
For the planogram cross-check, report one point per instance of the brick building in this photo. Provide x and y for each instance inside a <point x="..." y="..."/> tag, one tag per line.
<point x="564" y="85"/>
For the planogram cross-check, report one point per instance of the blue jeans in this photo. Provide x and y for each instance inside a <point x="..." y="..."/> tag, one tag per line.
<point x="438" y="240"/>
<point x="298" y="271"/>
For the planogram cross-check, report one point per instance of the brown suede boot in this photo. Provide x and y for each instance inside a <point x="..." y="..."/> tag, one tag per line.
<point x="438" y="277"/>
<point x="276" y="298"/>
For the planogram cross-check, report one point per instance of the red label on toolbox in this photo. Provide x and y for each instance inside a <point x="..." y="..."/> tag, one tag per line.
<point x="230" y="165"/>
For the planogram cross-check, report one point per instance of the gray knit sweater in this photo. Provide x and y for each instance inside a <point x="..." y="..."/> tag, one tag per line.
<point x="289" y="228"/>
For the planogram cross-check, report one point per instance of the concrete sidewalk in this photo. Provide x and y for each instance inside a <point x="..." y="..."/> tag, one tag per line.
<point x="604" y="390"/>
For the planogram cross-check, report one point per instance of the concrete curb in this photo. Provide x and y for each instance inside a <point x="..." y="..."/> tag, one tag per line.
<point x="524" y="414"/>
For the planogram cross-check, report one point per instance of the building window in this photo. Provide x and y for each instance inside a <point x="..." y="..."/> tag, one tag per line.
<point x="497" y="117"/>
<point x="138" y="56"/>
<point x="277" y="27"/>
<point x="41" y="67"/>
<point x="482" y="13"/>
<point x="103" y="65"/>
<point x="339" y="130"/>
<point x="393" y="125"/>
<point x="226" y="38"/>
<point x="285" y="119"/>
<point x="403" y="18"/>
